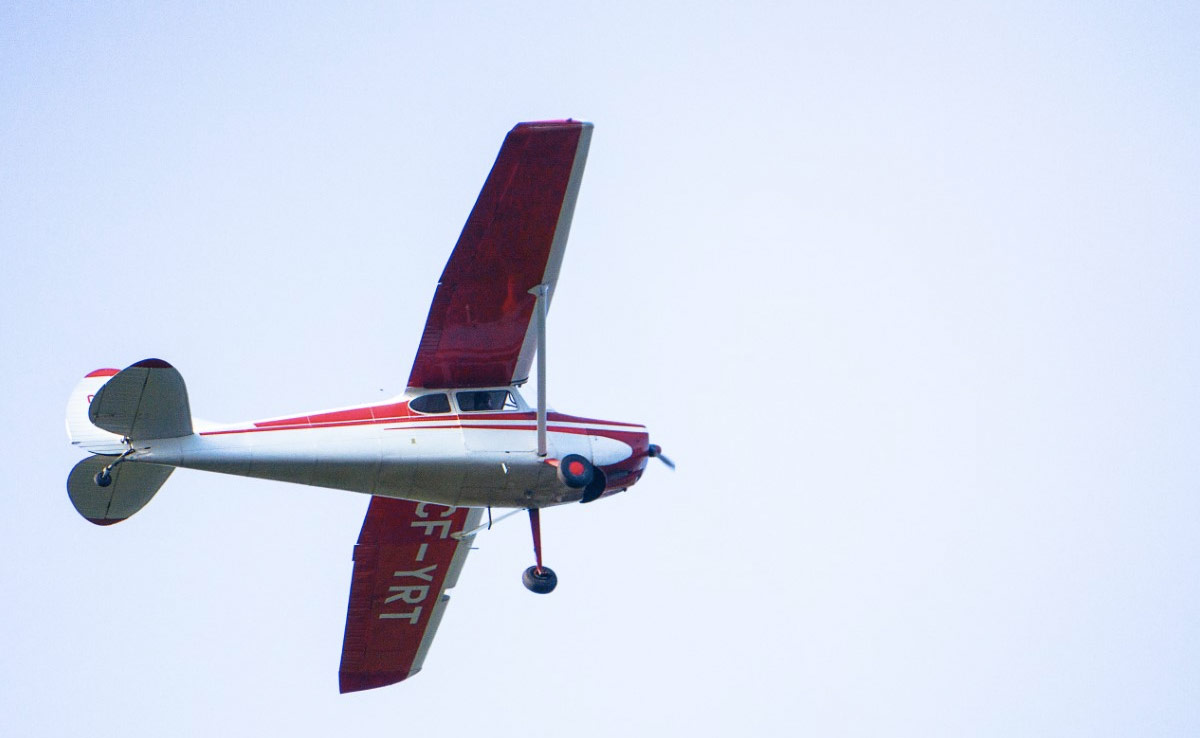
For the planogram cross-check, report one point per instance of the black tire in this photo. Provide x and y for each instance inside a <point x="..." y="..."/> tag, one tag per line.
<point x="103" y="478"/>
<point x="542" y="582"/>
<point x="575" y="471"/>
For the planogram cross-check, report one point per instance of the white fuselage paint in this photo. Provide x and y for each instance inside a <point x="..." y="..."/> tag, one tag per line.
<point x="445" y="462"/>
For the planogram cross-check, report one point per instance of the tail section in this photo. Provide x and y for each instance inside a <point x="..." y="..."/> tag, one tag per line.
<point x="108" y="410"/>
<point x="131" y="488"/>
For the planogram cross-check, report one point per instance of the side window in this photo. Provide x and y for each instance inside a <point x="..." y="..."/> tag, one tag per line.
<point x="435" y="403"/>
<point x="485" y="400"/>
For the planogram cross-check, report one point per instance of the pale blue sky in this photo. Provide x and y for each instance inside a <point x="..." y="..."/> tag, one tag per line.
<point x="909" y="294"/>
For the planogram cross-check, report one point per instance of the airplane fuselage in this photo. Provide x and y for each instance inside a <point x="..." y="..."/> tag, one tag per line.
<point x="459" y="458"/>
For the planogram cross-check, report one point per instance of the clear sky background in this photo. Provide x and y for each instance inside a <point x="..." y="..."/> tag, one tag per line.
<point x="909" y="294"/>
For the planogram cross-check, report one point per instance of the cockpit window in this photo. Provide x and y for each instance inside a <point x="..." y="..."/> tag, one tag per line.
<point x="476" y="401"/>
<point x="438" y="402"/>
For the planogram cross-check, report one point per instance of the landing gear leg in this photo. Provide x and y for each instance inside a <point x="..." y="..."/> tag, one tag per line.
<point x="538" y="578"/>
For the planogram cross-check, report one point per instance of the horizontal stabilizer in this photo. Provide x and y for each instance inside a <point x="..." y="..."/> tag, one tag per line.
<point x="132" y="486"/>
<point x="146" y="400"/>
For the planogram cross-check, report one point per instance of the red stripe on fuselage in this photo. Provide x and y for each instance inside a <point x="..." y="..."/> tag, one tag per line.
<point x="400" y="413"/>
<point x="629" y="437"/>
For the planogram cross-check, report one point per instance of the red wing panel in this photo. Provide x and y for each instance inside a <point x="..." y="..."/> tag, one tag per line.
<point x="478" y="330"/>
<point x="405" y="559"/>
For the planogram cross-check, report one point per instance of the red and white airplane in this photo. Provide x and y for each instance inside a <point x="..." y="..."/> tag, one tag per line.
<point x="459" y="441"/>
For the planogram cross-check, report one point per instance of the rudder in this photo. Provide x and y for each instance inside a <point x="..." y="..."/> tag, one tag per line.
<point x="80" y="429"/>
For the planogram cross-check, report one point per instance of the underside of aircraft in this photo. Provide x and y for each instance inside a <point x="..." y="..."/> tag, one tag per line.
<point x="460" y="441"/>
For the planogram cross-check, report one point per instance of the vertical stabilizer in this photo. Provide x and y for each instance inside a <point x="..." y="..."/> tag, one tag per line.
<point x="80" y="429"/>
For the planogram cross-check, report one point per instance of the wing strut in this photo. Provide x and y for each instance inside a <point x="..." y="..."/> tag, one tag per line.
<point x="487" y="525"/>
<point x="542" y="291"/>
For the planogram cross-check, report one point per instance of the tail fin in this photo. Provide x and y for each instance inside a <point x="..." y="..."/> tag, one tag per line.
<point x="147" y="400"/>
<point x="131" y="488"/>
<point x="79" y="427"/>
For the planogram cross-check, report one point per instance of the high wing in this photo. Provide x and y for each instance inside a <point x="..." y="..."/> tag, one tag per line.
<point x="479" y="330"/>
<point x="406" y="558"/>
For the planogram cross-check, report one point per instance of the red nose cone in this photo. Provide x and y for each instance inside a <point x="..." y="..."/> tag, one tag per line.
<point x="576" y="467"/>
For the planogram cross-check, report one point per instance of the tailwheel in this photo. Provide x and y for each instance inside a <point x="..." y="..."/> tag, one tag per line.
<point x="537" y="578"/>
<point x="103" y="477"/>
<point x="541" y="580"/>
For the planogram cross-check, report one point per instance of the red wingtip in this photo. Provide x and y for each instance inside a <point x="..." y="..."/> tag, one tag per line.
<point x="563" y="123"/>
<point x="357" y="681"/>
<point x="104" y="521"/>
<point x="104" y="373"/>
<point x="153" y="364"/>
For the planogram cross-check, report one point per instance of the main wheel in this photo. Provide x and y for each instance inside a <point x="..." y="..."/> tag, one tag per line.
<point x="103" y="478"/>
<point x="542" y="582"/>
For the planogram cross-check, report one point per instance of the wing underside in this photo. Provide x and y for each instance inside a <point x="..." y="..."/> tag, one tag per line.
<point x="406" y="558"/>
<point x="479" y="331"/>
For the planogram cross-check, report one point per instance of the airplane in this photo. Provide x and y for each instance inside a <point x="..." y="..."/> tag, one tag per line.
<point x="460" y="441"/>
